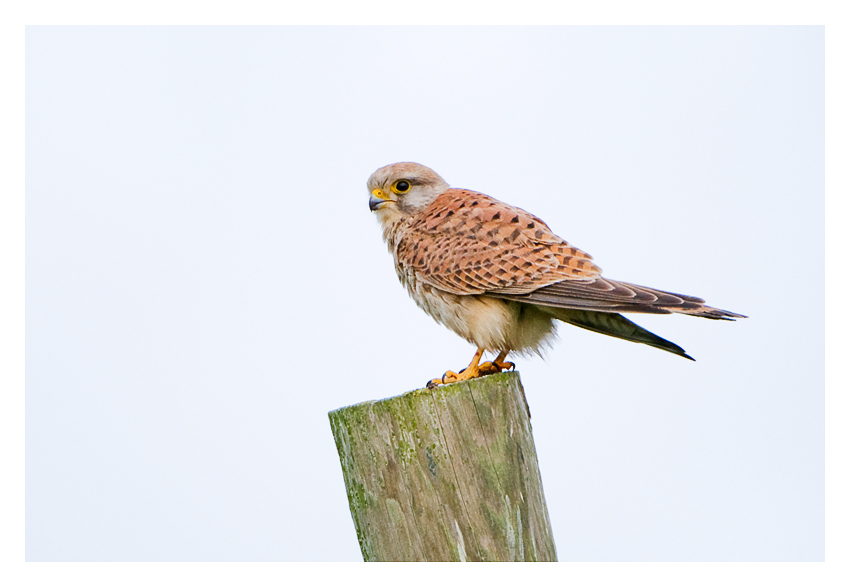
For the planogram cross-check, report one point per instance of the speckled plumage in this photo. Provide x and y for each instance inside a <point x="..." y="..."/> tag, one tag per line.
<point x="497" y="275"/>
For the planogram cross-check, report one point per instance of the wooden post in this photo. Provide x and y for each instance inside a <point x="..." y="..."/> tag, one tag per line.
<point x="448" y="474"/>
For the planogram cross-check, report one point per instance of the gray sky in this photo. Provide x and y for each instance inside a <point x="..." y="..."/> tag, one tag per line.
<point x="205" y="282"/>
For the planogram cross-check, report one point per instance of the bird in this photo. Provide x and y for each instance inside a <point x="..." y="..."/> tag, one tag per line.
<point x="499" y="277"/>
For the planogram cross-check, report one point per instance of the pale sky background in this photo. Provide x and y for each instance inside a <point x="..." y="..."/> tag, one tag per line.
<point x="204" y="280"/>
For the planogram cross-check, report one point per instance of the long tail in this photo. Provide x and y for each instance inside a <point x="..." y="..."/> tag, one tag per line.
<point x="614" y="325"/>
<point x="607" y="295"/>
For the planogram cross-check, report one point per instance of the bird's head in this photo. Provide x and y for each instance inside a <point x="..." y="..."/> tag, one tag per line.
<point x="402" y="189"/>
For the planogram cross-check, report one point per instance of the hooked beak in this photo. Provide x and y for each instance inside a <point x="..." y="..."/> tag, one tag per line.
<point x="378" y="199"/>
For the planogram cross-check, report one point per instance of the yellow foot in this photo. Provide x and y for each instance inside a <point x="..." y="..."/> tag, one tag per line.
<point x="473" y="370"/>
<point x="452" y="377"/>
<point x="448" y="377"/>
<point x="496" y="366"/>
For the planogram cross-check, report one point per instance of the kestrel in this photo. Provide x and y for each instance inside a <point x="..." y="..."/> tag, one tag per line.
<point x="499" y="277"/>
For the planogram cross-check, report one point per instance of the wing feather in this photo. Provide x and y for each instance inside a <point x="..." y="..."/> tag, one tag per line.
<point x="468" y="243"/>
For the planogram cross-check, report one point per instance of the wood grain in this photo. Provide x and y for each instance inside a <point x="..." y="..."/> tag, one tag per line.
<point x="448" y="474"/>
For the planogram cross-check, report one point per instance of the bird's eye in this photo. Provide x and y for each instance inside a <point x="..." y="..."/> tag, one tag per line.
<point x="402" y="186"/>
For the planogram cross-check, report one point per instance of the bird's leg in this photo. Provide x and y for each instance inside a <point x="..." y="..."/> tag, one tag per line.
<point x="471" y="371"/>
<point x="497" y="365"/>
<point x="474" y="370"/>
<point x="502" y="363"/>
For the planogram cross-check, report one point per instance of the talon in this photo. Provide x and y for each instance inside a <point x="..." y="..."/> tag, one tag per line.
<point x="470" y="372"/>
<point x="502" y="363"/>
<point x="474" y="370"/>
<point x="488" y="368"/>
<point x="450" y="377"/>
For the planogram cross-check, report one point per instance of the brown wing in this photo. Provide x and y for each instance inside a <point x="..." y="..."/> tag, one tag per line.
<point x="607" y="295"/>
<point x="469" y="243"/>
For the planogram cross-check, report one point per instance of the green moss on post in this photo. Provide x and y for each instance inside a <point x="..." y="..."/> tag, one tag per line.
<point x="448" y="474"/>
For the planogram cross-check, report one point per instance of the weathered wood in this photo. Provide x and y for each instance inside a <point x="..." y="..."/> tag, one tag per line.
<point x="448" y="474"/>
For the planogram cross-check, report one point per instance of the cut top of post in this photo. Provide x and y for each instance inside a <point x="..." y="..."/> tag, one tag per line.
<point x="445" y="474"/>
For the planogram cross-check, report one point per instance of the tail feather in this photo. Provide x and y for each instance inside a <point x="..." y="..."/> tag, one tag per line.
<point x="614" y="325"/>
<point x="712" y="313"/>
<point x="607" y="295"/>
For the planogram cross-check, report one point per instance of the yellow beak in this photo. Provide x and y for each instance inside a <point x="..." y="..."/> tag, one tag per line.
<point x="377" y="199"/>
